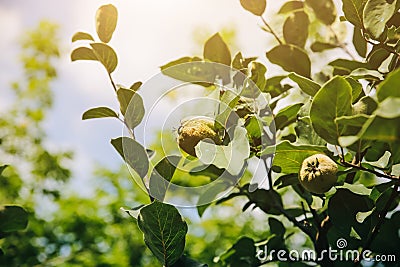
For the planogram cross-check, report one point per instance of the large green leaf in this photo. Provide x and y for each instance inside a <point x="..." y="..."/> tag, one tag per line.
<point x="353" y="11"/>
<point x="82" y="36"/>
<point x="306" y="85"/>
<point x="287" y="116"/>
<point x="295" y="28"/>
<point x="106" y="55"/>
<point x="106" y="21"/>
<point x="343" y="207"/>
<point x="216" y="50"/>
<point x="133" y="153"/>
<point x="390" y="86"/>
<point x="257" y="7"/>
<point x="99" y="112"/>
<point x="12" y="218"/>
<point x="289" y="157"/>
<point x="324" y="10"/>
<point x="164" y="231"/>
<point x="161" y="176"/>
<point x="376" y="14"/>
<point x="291" y="58"/>
<point x="83" y="53"/>
<point x="333" y="100"/>
<point x="135" y="111"/>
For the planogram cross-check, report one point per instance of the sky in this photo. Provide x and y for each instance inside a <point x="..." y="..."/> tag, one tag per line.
<point x="149" y="34"/>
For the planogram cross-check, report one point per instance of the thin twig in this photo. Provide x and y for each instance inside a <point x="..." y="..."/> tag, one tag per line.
<point x="112" y="82"/>
<point x="359" y="167"/>
<point x="271" y="30"/>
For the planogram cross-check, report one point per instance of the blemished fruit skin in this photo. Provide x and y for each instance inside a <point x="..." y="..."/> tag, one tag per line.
<point x="318" y="173"/>
<point x="191" y="132"/>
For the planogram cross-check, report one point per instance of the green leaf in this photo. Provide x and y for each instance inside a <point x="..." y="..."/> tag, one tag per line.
<point x="241" y="254"/>
<point x="12" y="218"/>
<point x="343" y="207"/>
<point x="133" y="154"/>
<point x="291" y="6"/>
<point x="135" y="111"/>
<point x="295" y="28"/>
<point x="216" y="50"/>
<point x="197" y="71"/>
<point x="287" y="116"/>
<point x="257" y="7"/>
<point x="320" y="46"/>
<point x="377" y="57"/>
<point x="376" y="14"/>
<point x="100" y="112"/>
<point x="210" y="194"/>
<point x="136" y="86"/>
<point x="291" y="58"/>
<point x="106" y="21"/>
<point x="346" y="64"/>
<point x="324" y="10"/>
<point x="164" y="231"/>
<point x="274" y="87"/>
<point x="332" y="100"/>
<point x="269" y="201"/>
<point x="106" y="55"/>
<point x="360" y="44"/>
<point x="2" y="168"/>
<point x="124" y="98"/>
<point x="356" y="88"/>
<point x="161" y="176"/>
<point x="390" y="86"/>
<point x="231" y="157"/>
<point x="82" y="36"/>
<point x="306" y="85"/>
<point x="305" y="132"/>
<point x="353" y="11"/>
<point x="188" y="262"/>
<point x="276" y="227"/>
<point x="286" y="180"/>
<point x="83" y="53"/>
<point x="289" y="157"/>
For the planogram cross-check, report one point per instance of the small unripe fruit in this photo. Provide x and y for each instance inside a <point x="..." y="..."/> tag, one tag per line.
<point x="193" y="131"/>
<point x="318" y="173"/>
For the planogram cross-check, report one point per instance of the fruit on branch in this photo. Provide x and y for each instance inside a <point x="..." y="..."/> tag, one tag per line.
<point x="318" y="173"/>
<point x="191" y="132"/>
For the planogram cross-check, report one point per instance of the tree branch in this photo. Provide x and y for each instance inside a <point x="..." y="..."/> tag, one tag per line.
<point x="271" y="30"/>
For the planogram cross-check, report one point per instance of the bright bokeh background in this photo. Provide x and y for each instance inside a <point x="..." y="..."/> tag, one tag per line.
<point x="149" y="34"/>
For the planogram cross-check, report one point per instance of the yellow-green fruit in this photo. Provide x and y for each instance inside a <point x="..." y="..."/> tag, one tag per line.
<point x="193" y="131"/>
<point x="318" y="173"/>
